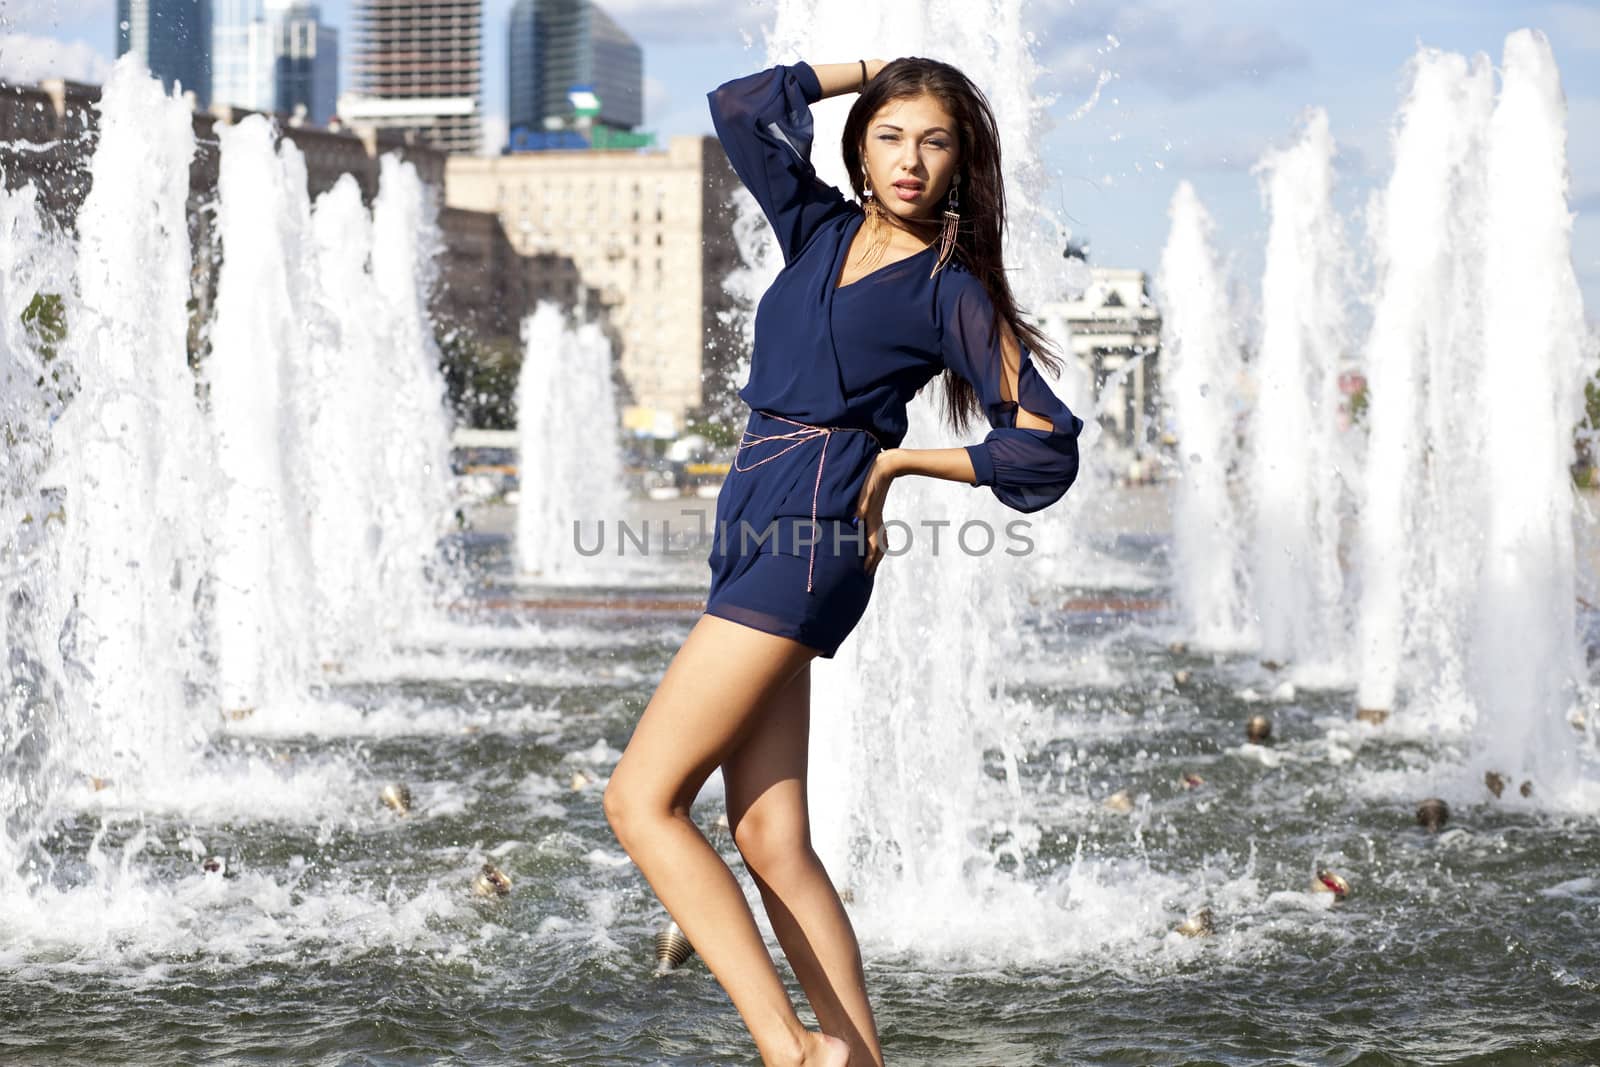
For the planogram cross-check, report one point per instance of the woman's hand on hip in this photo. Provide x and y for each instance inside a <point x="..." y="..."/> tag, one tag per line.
<point x="869" y="505"/>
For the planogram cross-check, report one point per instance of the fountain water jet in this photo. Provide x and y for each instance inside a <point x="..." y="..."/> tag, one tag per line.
<point x="1423" y="488"/>
<point x="1295" y="455"/>
<point x="131" y="449"/>
<point x="1528" y="661"/>
<point x="109" y="596"/>
<point x="571" y="463"/>
<point x="1468" y="586"/>
<point x="347" y="356"/>
<point x="415" y="438"/>
<point x="1201" y="367"/>
<point x="258" y="359"/>
<point x="375" y="428"/>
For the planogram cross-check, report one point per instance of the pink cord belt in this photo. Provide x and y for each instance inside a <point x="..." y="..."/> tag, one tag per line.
<point x="805" y="432"/>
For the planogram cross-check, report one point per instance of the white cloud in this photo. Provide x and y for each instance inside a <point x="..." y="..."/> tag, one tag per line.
<point x="26" y="59"/>
<point x="684" y="21"/>
<point x="1178" y="49"/>
<point x="55" y="14"/>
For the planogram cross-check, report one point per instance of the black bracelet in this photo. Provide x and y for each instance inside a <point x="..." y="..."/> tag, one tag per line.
<point x="863" y="73"/>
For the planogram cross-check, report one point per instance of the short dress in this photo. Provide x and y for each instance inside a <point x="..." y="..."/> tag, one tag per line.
<point x="831" y="373"/>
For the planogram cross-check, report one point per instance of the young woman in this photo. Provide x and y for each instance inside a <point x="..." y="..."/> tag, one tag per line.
<point x="874" y="300"/>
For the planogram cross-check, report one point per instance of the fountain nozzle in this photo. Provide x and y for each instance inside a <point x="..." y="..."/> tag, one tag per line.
<point x="1432" y="814"/>
<point x="396" y="796"/>
<point x="1333" y="882"/>
<point x="1200" y="924"/>
<point x="491" y="881"/>
<point x="672" y="947"/>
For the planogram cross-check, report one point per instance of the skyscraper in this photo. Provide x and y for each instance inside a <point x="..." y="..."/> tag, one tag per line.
<point x="241" y="55"/>
<point x="558" y="44"/>
<point x="173" y="37"/>
<point x="305" y="62"/>
<point x="418" y="66"/>
<point x="274" y="55"/>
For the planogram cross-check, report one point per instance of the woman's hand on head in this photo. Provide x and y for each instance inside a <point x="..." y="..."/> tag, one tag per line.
<point x="874" y="66"/>
<point x="869" y="505"/>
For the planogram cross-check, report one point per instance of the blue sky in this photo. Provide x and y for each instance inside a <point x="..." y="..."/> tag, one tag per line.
<point x="1199" y="91"/>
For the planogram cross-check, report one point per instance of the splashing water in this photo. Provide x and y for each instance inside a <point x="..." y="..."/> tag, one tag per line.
<point x="35" y="288"/>
<point x="1005" y="916"/>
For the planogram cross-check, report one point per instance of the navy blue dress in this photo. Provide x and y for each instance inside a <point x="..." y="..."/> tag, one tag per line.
<point x="831" y="374"/>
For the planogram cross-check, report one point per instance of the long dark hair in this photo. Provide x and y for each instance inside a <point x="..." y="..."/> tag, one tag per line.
<point x="981" y="233"/>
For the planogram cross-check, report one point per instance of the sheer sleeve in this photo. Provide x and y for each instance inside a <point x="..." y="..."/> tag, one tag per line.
<point x="1028" y="469"/>
<point x="764" y="123"/>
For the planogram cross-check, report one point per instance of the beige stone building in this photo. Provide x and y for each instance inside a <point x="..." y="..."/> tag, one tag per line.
<point x="1116" y="337"/>
<point x="650" y="235"/>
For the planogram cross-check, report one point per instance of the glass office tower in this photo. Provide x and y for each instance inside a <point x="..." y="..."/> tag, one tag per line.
<point x="173" y="37"/>
<point x="557" y="44"/>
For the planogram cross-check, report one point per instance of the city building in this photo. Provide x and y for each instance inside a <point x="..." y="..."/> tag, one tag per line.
<point x="485" y="289"/>
<point x="173" y="38"/>
<point x="306" y="64"/>
<point x="241" y="55"/>
<point x="418" y="67"/>
<point x="1116" y="338"/>
<point x="649" y="235"/>
<point x="275" y="55"/>
<point x="558" y="46"/>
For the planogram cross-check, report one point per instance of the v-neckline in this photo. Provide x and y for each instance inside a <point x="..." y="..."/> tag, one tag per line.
<point x="844" y="258"/>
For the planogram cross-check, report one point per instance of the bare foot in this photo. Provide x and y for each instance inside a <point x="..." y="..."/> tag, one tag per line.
<point x="824" y="1051"/>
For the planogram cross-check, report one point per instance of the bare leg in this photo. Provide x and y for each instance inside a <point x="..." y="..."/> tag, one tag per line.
<point x="709" y="699"/>
<point x="766" y="780"/>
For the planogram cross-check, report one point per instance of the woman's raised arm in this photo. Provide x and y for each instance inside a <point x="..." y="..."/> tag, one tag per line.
<point x="764" y="123"/>
<point x="837" y="79"/>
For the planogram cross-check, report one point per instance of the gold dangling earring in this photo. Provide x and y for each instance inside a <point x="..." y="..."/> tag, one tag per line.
<point x="947" y="232"/>
<point x="878" y="238"/>
<point x="868" y="202"/>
